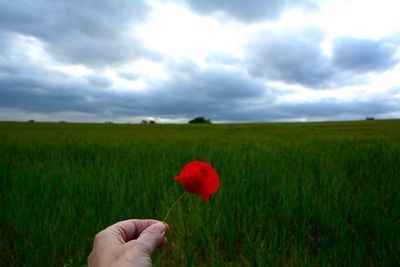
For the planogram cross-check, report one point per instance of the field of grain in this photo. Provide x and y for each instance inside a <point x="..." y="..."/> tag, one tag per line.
<point x="313" y="194"/>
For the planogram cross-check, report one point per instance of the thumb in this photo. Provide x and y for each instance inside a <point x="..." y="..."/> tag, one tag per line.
<point x="152" y="236"/>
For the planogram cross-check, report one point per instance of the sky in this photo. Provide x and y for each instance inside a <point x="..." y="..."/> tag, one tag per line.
<point x="173" y="60"/>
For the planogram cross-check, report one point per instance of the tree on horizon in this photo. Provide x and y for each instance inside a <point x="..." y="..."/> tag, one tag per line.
<point x="200" y="120"/>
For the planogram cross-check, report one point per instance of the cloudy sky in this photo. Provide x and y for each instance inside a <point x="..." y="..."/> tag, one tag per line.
<point x="172" y="60"/>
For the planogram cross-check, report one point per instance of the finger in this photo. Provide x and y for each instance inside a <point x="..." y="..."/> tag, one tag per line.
<point x="163" y="242"/>
<point x="127" y="230"/>
<point x="152" y="237"/>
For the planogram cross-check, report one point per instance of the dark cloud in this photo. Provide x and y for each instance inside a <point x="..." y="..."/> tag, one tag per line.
<point x="44" y="99"/>
<point x="4" y="43"/>
<point x="296" y="57"/>
<point x="334" y="108"/>
<point x="248" y="11"/>
<point x="99" y="81"/>
<point x="99" y="34"/>
<point x="363" y="55"/>
<point x="39" y="90"/>
<point x="129" y="76"/>
<point x="215" y="93"/>
<point x="291" y="57"/>
<point x="86" y="32"/>
<point x="219" y="94"/>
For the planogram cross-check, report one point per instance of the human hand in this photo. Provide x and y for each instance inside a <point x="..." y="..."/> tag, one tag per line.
<point x="128" y="243"/>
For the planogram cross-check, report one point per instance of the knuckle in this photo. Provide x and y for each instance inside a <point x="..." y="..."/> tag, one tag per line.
<point x="89" y="259"/>
<point x="99" y="236"/>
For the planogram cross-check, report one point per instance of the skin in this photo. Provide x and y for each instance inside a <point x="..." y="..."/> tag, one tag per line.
<point x="128" y="243"/>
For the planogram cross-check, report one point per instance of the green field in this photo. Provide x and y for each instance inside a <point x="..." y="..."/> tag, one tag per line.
<point x="312" y="194"/>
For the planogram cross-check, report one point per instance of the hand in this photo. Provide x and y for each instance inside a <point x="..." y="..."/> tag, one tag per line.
<point x="128" y="243"/>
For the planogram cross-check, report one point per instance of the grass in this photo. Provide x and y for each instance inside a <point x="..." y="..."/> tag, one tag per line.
<point x="314" y="194"/>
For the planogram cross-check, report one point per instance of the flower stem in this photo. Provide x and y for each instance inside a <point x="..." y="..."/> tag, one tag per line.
<point x="173" y="205"/>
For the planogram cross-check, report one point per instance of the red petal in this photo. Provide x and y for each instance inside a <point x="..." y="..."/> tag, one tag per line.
<point x="199" y="178"/>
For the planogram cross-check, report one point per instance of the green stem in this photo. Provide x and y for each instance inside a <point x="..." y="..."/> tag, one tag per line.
<point x="173" y="205"/>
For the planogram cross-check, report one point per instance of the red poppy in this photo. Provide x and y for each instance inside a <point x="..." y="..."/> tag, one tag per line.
<point x="199" y="178"/>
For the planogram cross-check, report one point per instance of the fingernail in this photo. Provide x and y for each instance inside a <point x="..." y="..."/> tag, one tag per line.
<point x="160" y="228"/>
<point x="166" y="226"/>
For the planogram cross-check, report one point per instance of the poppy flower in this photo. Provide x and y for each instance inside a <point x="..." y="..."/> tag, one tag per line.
<point x="198" y="177"/>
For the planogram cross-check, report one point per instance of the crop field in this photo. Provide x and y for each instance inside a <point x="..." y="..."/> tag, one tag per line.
<point x="292" y="194"/>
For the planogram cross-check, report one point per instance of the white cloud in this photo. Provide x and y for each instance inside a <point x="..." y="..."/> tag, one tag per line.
<point x="176" y="32"/>
<point x="359" y="18"/>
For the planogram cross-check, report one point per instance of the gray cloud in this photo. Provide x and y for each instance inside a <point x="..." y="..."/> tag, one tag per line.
<point x="97" y="34"/>
<point x="129" y="76"/>
<point x="292" y="57"/>
<point x="363" y="55"/>
<point x="99" y="81"/>
<point x="334" y="108"/>
<point x="39" y="90"/>
<point x="93" y="33"/>
<point x="215" y="93"/>
<point x="248" y="11"/>
<point x="295" y="57"/>
<point x="219" y="94"/>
